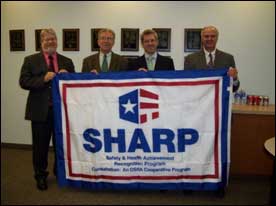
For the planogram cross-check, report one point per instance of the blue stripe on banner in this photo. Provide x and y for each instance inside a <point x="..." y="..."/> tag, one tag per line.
<point x="58" y="131"/>
<point x="144" y="186"/>
<point x="63" y="181"/>
<point x="224" y="129"/>
<point x="140" y="74"/>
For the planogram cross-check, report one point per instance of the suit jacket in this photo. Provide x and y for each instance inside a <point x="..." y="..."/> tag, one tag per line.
<point x="31" y="78"/>
<point x="118" y="63"/>
<point x="197" y="60"/>
<point x="162" y="63"/>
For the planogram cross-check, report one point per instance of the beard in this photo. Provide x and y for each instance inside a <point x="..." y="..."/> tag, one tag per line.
<point x="50" y="50"/>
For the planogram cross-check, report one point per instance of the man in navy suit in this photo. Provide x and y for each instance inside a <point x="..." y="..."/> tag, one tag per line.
<point x="36" y="75"/>
<point x="151" y="60"/>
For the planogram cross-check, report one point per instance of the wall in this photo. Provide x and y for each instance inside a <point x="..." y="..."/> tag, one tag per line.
<point x="247" y="30"/>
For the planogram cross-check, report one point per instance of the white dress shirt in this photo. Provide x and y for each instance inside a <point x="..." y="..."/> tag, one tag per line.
<point x="153" y="56"/>
<point x="108" y="58"/>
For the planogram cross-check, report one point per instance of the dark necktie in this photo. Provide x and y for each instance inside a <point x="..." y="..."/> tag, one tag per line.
<point x="210" y="63"/>
<point x="104" y="65"/>
<point x="51" y="63"/>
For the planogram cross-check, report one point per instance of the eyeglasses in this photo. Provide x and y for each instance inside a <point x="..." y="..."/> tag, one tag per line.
<point x="106" y="38"/>
<point x="49" y="39"/>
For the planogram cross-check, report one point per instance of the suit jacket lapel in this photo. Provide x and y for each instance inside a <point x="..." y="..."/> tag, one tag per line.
<point x="144" y="62"/>
<point x="97" y="61"/>
<point x="59" y="61"/>
<point x="157" y="62"/>
<point x="217" y="58"/>
<point x="113" y="62"/>
<point x="43" y="62"/>
<point x="202" y="60"/>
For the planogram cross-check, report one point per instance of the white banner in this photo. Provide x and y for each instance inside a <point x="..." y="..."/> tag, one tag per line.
<point x="166" y="130"/>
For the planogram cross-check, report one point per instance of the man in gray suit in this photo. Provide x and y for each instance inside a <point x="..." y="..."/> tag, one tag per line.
<point x="210" y="57"/>
<point x="36" y="74"/>
<point x="105" y="60"/>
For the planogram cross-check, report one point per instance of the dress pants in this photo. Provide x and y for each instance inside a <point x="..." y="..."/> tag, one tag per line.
<point x="41" y="136"/>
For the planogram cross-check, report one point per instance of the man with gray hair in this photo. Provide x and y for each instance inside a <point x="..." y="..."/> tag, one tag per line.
<point x="36" y="74"/>
<point x="210" y="57"/>
<point x="105" y="60"/>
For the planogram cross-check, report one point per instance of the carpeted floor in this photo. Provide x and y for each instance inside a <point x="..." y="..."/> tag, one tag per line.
<point x="18" y="187"/>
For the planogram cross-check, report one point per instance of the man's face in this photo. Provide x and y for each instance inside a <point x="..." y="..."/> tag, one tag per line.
<point x="209" y="39"/>
<point x="106" y="42"/>
<point x="150" y="43"/>
<point x="49" y="43"/>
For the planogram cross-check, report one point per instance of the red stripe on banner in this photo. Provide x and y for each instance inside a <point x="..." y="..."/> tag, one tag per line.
<point x="147" y="94"/>
<point x="143" y="118"/>
<point x="216" y="102"/>
<point x="68" y="143"/>
<point x="129" y="84"/>
<point x="155" y="115"/>
<point x="145" y="105"/>
<point x="143" y="177"/>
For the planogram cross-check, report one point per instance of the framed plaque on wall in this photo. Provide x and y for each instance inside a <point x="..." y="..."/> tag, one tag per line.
<point x="192" y="40"/>
<point x="129" y="39"/>
<point x="164" y="39"/>
<point x="17" y="40"/>
<point x="71" y="39"/>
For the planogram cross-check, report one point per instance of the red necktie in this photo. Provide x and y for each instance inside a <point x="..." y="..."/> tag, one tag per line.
<point x="51" y="66"/>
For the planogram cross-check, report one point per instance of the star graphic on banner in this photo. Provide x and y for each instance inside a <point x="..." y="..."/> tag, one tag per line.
<point x="129" y="107"/>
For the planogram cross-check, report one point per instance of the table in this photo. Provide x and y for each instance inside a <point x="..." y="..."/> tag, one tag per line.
<point x="251" y="127"/>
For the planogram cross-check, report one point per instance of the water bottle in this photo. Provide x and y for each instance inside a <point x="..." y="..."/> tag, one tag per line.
<point x="242" y="97"/>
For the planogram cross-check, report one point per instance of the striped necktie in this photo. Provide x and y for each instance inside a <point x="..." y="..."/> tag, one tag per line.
<point x="210" y="63"/>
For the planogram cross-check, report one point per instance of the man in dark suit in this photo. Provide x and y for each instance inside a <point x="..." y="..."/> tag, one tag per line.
<point x="210" y="57"/>
<point x="105" y="60"/>
<point x="36" y="74"/>
<point x="151" y="60"/>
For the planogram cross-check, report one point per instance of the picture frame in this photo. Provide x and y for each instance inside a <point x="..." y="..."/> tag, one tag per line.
<point x="17" y="40"/>
<point x="129" y="39"/>
<point x="94" y="39"/>
<point x="71" y="39"/>
<point x="130" y="58"/>
<point x="37" y="40"/>
<point x="164" y="39"/>
<point x="192" y="39"/>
